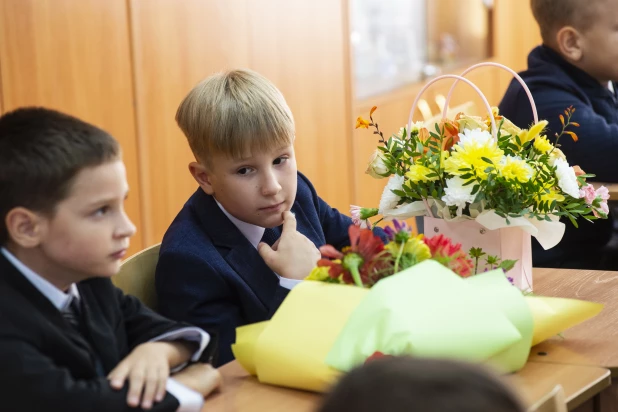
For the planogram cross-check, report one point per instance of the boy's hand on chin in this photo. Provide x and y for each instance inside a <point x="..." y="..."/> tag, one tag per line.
<point x="293" y="256"/>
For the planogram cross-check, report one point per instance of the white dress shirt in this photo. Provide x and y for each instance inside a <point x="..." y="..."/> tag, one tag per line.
<point x="190" y="400"/>
<point x="254" y="234"/>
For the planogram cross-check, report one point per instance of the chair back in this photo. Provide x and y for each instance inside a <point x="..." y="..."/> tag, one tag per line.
<point x="136" y="275"/>
<point x="552" y="402"/>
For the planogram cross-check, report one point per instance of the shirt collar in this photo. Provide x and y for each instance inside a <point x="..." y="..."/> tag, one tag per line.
<point x="58" y="298"/>
<point x="252" y="232"/>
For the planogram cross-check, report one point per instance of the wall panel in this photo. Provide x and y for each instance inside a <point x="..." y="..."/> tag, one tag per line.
<point x="73" y="56"/>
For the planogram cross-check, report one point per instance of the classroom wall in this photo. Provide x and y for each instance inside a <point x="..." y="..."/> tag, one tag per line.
<point x="124" y="65"/>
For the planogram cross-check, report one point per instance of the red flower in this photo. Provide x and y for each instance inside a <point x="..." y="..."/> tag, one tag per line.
<point x="450" y="255"/>
<point x="360" y="262"/>
<point x="376" y="355"/>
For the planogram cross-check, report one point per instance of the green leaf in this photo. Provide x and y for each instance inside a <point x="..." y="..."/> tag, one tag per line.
<point x="486" y="160"/>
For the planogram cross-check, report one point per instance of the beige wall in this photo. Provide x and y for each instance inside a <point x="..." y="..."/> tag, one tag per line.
<point x="124" y="65"/>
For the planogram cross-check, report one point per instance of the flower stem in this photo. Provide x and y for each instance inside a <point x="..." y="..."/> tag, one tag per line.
<point x="399" y="257"/>
<point x="376" y="223"/>
<point x="352" y="262"/>
<point x="356" y="276"/>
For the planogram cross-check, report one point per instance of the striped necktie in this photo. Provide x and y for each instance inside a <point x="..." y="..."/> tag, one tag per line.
<point x="73" y="315"/>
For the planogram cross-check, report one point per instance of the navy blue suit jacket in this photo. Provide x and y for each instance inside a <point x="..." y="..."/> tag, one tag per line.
<point x="555" y="85"/>
<point x="209" y="274"/>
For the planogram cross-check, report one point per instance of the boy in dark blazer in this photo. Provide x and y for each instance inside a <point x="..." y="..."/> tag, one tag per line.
<point x="227" y="260"/>
<point x="70" y="340"/>
<point x="575" y="66"/>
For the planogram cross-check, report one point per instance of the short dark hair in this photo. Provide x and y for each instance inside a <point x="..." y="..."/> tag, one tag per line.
<point x="403" y="384"/>
<point x="552" y="15"/>
<point x="41" y="152"/>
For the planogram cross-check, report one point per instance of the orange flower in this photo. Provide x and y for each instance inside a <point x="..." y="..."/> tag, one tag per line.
<point x="578" y="171"/>
<point x="373" y="109"/>
<point x="360" y="122"/>
<point x="451" y="133"/>
<point x="572" y="134"/>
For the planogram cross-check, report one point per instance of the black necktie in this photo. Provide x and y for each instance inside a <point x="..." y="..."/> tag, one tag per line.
<point x="271" y="236"/>
<point x="73" y="315"/>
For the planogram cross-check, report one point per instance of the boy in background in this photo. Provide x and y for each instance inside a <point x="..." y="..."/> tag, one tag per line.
<point x="575" y="66"/>
<point x="402" y="384"/>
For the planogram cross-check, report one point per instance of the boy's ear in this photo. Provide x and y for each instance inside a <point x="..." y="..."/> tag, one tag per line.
<point x="202" y="177"/>
<point x="569" y="42"/>
<point x="26" y="228"/>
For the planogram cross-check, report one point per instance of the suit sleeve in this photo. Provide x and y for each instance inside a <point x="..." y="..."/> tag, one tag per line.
<point x="30" y="381"/>
<point x="334" y="224"/>
<point x="196" y="294"/>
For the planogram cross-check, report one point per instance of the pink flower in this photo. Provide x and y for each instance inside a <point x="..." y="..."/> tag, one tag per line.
<point x="587" y="192"/>
<point x="603" y="192"/>
<point x="355" y="212"/>
<point x="361" y="215"/>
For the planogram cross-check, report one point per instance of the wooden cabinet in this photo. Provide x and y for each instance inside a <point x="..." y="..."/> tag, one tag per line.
<point x="125" y="65"/>
<point x="178" y="43"/>
<point x="74" y="56"/>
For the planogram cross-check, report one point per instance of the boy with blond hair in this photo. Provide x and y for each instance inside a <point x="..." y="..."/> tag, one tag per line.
<point x="575" y="66"/>
<point x="70" y="340"/>
<point x="251" y="230"/>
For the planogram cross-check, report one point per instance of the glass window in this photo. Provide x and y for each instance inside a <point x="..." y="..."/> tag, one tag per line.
<point x="397" y="42"/>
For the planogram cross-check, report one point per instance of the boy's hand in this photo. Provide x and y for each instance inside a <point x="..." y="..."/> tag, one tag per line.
<point x="293" y="256"/>
<point x="201" y="377"/>
<point x="147" y="368"/>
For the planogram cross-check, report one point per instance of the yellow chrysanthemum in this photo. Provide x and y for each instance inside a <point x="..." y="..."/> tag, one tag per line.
<point x="514" y="168"/>
<point x="550" y="197"/>
<point x="414" y="246"/>
<point x="542" y="144"/>
<point x="531" y="134"/>
<point x="418" y="173"/>
<point x="319" y="273"/>
<point x="471" y="156"/>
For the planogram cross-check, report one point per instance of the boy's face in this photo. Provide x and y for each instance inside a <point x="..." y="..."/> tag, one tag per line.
<point x="88" y="235"/>
<point x="255" y="189"/>
<point x="600" y="43"/>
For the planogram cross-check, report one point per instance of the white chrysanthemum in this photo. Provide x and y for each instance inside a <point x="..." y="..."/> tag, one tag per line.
<point x="389" y="200"/>
<point x="475" y="137"/>
<point x="456" y="194"/>
<point x="566" y="178"/>
<point x="416" y="127"/>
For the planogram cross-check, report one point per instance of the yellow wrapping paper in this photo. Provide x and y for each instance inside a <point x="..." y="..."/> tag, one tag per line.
<point x="291" y="350"/>
<point x="554" y="315"/>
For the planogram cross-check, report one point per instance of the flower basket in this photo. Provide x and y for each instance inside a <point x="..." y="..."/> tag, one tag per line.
<point x="484" y="182"/>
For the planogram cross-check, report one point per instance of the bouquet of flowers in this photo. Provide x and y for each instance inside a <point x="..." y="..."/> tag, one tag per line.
<point x="456" y="169"/>
<point x="368" y="259"/>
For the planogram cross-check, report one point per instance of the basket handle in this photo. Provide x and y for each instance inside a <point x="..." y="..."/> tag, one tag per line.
<point x="501" y="66"/>
<point x="494" y="130"/>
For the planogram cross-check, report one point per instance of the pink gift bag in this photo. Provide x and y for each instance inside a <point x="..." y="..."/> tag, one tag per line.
<point x="507" y="243"/>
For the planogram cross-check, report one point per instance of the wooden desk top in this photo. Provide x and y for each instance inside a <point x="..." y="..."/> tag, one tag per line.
<point x="243" y="393"/>
<point x="594" y="342"/>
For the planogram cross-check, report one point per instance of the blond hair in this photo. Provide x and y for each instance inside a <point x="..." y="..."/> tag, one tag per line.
<point x="233" y="112"/>
<point x="552" y="15"/>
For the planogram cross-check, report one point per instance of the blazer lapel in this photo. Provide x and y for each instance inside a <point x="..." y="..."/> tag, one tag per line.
<point x="48" y="315"/>
<point x="236" y="249"/>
